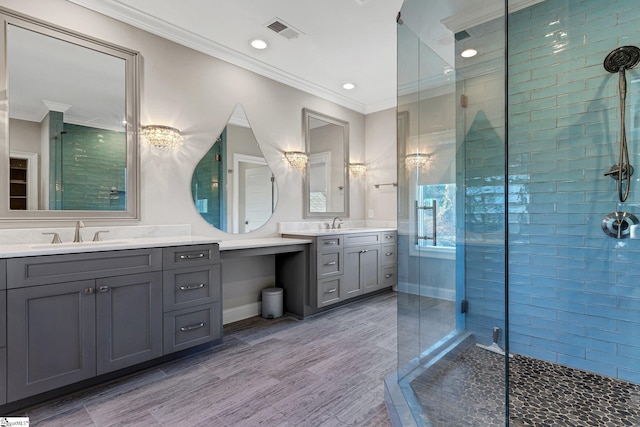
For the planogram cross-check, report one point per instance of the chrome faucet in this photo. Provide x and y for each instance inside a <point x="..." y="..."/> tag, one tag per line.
<point x="333" y="225"/>
<point x="77" y="238"/>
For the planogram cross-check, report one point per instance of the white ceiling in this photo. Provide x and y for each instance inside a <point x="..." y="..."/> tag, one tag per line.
<point x="342" y="40"/>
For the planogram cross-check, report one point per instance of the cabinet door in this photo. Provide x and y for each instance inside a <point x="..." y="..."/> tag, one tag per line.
<point x="370" y="268"/>
<point x="362" y="270"/>
<point x="352" y="284"/>
<point x="51" y="339"/>
<point x="129" y="320"/>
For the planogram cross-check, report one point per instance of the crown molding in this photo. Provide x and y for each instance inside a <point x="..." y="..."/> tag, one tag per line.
<point x="471" y="17"/>
<point x="139" y="19"/>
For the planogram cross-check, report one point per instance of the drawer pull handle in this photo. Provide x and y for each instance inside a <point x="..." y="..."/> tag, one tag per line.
<point x="331" y="263"/>
<point x="330" y="291"/>
<point x="192" y="327"/>
<point x="191" y="287"/>
<point x="331" y="242"/>
<point x="388" y="237"/>
<point x="389" y="253"/>
<point x="386" y="276"/>
<point x="103" y="289"/>
<point x="192" y="256"/>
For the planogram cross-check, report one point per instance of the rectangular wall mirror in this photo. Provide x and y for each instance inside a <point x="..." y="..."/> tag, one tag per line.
<point x="69" y="135"/>
<point x="326" y="181"/>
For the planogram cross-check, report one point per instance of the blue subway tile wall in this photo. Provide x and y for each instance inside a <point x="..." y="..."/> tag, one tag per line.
<point x="574" y="292"/>
<point x="94" y="167"/>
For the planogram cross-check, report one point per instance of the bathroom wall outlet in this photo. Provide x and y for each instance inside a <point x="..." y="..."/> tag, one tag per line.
<point x="370" y="213"/>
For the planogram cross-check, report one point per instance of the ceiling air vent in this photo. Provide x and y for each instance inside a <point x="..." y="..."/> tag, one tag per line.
<point x="285" y="30"/>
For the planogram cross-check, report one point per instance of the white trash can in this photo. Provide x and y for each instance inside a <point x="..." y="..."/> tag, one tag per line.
<point x="272" y="303"/>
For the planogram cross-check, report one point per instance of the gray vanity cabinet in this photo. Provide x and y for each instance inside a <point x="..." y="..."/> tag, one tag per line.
<point x="76" y="316"/>
<point x="345" y="265"/>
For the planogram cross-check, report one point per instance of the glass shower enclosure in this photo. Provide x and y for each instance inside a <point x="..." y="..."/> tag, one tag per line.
<point x="518" y="291"/>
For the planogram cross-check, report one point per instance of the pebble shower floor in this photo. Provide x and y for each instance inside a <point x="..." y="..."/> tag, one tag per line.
<point x="469" y="391"/>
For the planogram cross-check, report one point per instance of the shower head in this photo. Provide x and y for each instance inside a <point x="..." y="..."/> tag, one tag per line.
<point x="622" y="58"/>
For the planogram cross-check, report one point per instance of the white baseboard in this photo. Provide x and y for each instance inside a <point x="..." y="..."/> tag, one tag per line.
<point x="241" y="312"/>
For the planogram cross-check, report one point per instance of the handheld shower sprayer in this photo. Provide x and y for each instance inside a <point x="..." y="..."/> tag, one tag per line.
<point x="618" y="61"/>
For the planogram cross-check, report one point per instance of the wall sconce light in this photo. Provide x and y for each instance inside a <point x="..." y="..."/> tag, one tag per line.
<point x="357" y="169"/>
<point x="163" y="137"/>
<point x="297" y="159"/>
<point x="417" y="160"/>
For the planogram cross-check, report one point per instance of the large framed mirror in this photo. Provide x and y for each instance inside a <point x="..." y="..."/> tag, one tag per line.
<point x="69" y="129"/>
<point x="233" y="187"/>
<point x="326" y="187"/>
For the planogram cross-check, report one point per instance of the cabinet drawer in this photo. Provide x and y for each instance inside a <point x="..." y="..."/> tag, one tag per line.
<point x="187" y="256"/>
<point x="389" y="236"/>
<point x="191" y="326"/>
<point x="389" y="254"/>
<point x="361" y="239"/>
<point x="389" y="276"/>
<point x="329" y="242"/>
<point x="329" y="264"/>
<point x="189" y="287"/>
<point x="42" y="270"/>
<point x="329" y="291"/>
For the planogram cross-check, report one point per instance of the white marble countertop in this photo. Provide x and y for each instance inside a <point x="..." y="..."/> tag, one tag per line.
<point x="325" y="232"/>
<point x="260" y="243"/>
<point x="35" y="249"/>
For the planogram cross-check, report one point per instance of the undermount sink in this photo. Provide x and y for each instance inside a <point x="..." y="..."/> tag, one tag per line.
<point x="76" y="244"/>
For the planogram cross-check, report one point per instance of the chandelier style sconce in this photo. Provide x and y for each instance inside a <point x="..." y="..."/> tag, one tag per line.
<point x="357" y="169"/>
<point x="417" y="160"/>
<point x="297" y="159"/>
<point x="163" y="137"/>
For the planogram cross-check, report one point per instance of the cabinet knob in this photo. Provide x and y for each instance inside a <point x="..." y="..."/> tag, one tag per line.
<point x="386" y="276"/>
<point x="364" y="251"/>
<point x="389" y="253"/>
<point x="103" y="288"/>
<point x="88" y="291"/>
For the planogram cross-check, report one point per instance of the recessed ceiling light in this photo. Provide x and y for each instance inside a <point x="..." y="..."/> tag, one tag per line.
<point x="469" y="53"/>
<point x="349" y="86"/>
<point x="259" y="44"/>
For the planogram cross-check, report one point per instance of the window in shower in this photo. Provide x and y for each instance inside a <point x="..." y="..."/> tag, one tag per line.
<point x="444" y="211"/>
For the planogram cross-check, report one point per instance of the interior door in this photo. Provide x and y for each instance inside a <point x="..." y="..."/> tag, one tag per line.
<point x="257" y="197"/>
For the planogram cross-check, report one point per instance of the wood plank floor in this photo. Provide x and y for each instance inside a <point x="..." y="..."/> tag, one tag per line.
<point x="327" y="370"/>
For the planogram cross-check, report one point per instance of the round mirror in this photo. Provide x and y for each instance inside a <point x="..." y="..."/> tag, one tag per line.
<point x="233" y="187"/>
